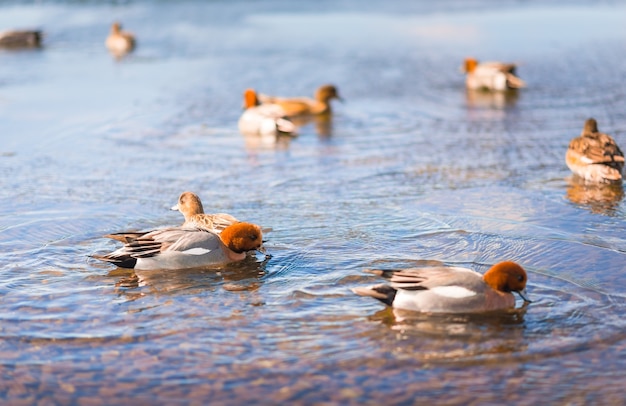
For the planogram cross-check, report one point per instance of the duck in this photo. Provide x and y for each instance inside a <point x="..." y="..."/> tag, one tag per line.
<point x="299" y="106"/>
<point x="184" y="248"/>
<point x="20" y="39"/>
<point x="443" y="289"/>
<point x="190" y="205"/>
<point x="595" y="156"/>
<point x="119" y="42"/>
<point x="496" y="76"/>
<point x="263" y="119"/>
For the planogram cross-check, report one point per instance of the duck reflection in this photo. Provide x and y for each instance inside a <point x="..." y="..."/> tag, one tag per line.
<point x="265" y="142"/>
<point x="236" y="276"/>
<point x="491" y="100"/>
<point x="449" y="324"/>
<point x="323" y="123"/>
<point x="456" y="336"/>
<point x="599" y="198"/>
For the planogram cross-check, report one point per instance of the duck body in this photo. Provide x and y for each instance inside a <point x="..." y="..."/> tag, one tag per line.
<point x="450" y="289"/>
<point x="263" y="119"/>
<point x="492" y="76"/>
<point x="184" y="248"/>
<point x="266" y="119"/>
<point x="190" y="205"/>
<point x="299" y="106"/>
<point x="120" y="42"/>
<point x="595" y="156"/>
<point x="20" y="39"/>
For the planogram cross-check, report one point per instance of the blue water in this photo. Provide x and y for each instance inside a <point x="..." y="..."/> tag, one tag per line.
<point x="410" y="169"/>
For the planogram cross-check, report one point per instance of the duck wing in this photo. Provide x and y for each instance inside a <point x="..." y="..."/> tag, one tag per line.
<point x="430" y="277"/>
<point x="598" y="148"/>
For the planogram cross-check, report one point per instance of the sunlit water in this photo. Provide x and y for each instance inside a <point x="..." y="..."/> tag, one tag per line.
<point x="410" y="170"/>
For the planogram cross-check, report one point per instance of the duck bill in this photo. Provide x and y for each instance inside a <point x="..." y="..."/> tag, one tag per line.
<point x="524" y="295"/>
<point x="263" y="251"/>
<point x="175" y="207"/>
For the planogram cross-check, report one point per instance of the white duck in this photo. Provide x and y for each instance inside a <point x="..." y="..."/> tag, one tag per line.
<point x="263" y="119"/>
<point x="491" y="75"/>
<point x="119" y="42"/>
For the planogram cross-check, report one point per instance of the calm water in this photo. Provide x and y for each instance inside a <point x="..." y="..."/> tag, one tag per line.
<point x="411" y="169"/>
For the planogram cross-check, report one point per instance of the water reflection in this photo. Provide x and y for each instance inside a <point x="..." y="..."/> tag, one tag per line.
<point x="323" y="123"/>
<point x="599" y="198"/>
<point x="267" y="142"/>
<point x="118" y="55"/>
<point x="491" y="100"/>
<point x="460" y="325"/>
<point x="237" y="276"/>
<point x="462" y="337"/>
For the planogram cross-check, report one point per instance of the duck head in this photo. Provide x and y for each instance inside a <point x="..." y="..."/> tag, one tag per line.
<point x="591" y="126"/>
<point x="250" y="99"/>
<point x="242" y="237"/>
<point x="189" y="204"/>
<point x="470" y="65"/>
<point x="116" y="28"/>
<point x="508" y="276"/>
<point x="326" y="93"/>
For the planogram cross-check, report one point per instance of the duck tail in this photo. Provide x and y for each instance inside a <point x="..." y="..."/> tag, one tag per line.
<point x="384" y="293"/>
<point x="610" y="173"/>
<point x="122" y="261"/>
<point x="125" y="238"/>
<point x="285" y="126"/>
<point x="514" y="82"/>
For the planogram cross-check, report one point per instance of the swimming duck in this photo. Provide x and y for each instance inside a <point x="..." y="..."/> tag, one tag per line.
<point x="183" y="248"/>
<point x="119" y="42"/>
<point x="450" y="289"/>
<point x="491" y="75"/>
<point x="190" y="205"/>
<point x="594" y="156"/>
<point x="303" y="105"/>
<point x="263" y="119"/>
<point x="20" y="39"/>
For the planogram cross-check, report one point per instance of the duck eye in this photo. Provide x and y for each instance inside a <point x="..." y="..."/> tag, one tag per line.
<point x="520" y="278"/>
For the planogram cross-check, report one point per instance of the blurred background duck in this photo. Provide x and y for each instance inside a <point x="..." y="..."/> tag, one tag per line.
<point x="297" y="106"/>
<point x="491" y="75"/>
<point x="595" y="156"/>
<point x="20" y="39"/>
<point x="263" y="119"/>
<point x="119" y="42"/>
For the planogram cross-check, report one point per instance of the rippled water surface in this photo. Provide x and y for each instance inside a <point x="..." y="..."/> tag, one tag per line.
<point x="410" y="170"/>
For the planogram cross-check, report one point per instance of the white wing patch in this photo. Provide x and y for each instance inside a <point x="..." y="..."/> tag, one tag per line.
<point x="457" y="292"/>
<point x="196" y="251"/>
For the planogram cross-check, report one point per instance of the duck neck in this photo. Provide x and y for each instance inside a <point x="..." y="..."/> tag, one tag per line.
<point x="320" y="107"/>
<point x="495" y="299"/>
<point x="232" y="255"/>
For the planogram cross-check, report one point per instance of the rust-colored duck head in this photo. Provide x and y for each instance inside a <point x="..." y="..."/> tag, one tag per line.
<point x="242" y="237"/>
<point x="507" y="276"/>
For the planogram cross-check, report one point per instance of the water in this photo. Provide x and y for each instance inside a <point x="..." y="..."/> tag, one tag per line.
<point x="410" y="170"/>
